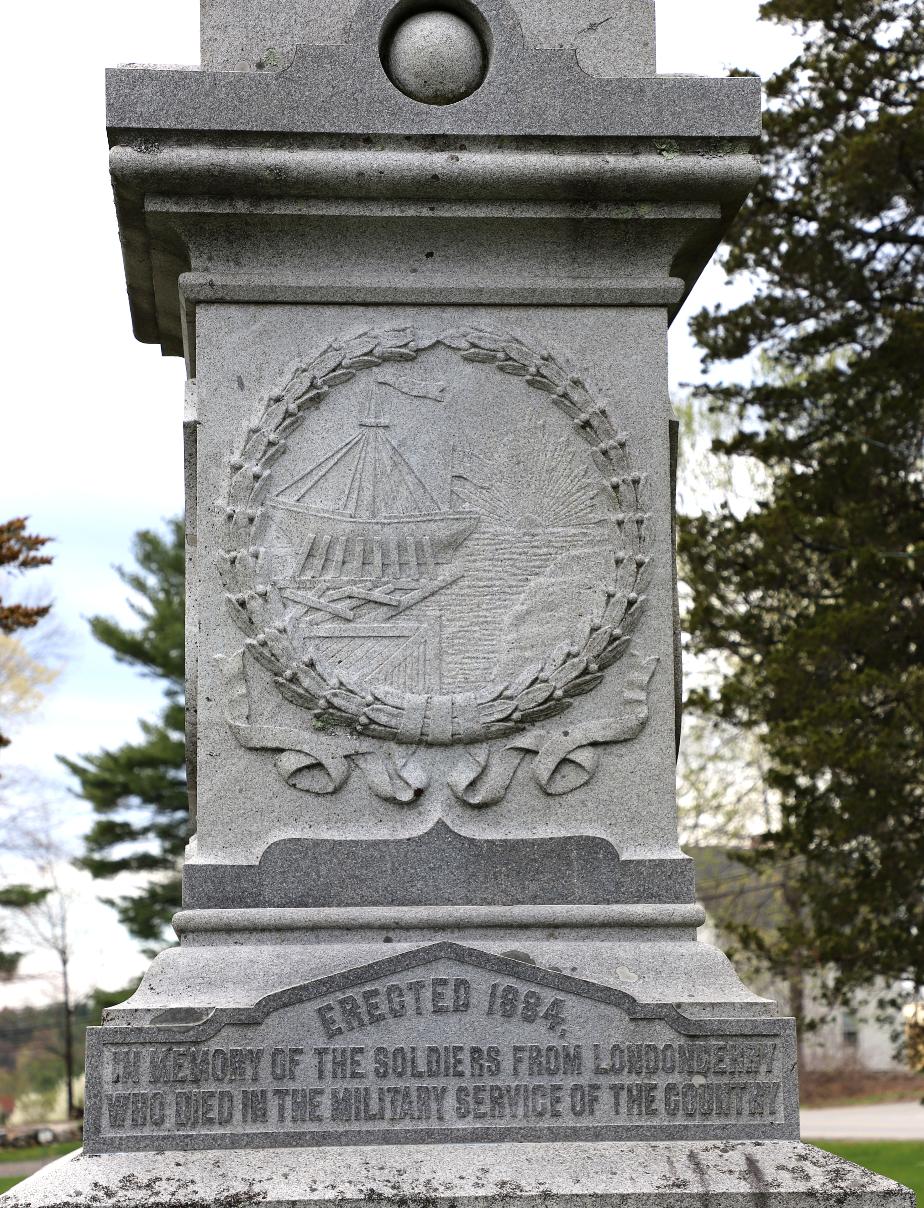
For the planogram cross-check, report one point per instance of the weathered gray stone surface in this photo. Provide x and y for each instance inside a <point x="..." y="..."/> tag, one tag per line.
<point x="647" y="107"/>
<point x="435" y="57"/>
<point x="695" y="978"/>
<point x="523" y="597"/>
<point x="609" y="37"/>
<point x="758" y="1174"/>
<point x="437" y="1042"/>
<point x="397" y="221"/>
<point x="435" y="893"/>
<point x="439" y="865"/>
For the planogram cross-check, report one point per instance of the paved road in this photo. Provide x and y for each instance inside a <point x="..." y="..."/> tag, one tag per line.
<point x="874" y="1122"/>
<point x="19" y="1170"/>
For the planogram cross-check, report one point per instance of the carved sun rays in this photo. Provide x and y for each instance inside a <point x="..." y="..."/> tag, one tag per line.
<point x="529" y="481"/>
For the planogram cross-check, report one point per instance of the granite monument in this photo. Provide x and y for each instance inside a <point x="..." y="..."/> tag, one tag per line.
<point x="438" y="940"/>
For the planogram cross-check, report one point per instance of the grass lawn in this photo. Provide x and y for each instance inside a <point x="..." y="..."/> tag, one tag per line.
<point x="37" y="1153"/>
<point x="32" y="1153"/>
<point x="899" y="1160"/>
<point x="848" y="1086"/>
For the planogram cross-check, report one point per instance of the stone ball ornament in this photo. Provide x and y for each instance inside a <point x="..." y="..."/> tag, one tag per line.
<point x="435" y="57"/>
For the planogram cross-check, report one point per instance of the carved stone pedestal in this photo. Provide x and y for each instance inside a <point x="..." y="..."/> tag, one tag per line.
<point x="438" y="942"/>
<point x="631" y="1174"/>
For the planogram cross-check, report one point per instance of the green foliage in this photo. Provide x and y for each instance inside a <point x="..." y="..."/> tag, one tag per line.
<point x="157" y="645"/>
<point x="100" y="1000"/>
<point x="814" y="599"/>
<point x="33" y="1153"/>
<point x="31" y="1047"/>
<point x="16" y="897"/>
<point x="138" y="790"/>
<point x="20" y="897"/>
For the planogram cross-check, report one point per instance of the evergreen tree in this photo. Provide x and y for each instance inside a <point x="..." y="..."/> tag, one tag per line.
<point x="16" y="897"/>
<point x="814" y="599"/>
<point x="138" y="790"/>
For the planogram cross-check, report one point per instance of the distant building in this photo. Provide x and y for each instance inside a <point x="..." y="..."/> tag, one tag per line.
<point x="728" y="891"/>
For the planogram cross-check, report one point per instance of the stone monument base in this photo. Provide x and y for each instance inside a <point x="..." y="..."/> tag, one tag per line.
<point x="644" y="1174"/>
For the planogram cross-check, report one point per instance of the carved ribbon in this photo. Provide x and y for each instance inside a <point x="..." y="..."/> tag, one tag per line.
<point x="312" y="762"/>
<point x="564" y="762"/>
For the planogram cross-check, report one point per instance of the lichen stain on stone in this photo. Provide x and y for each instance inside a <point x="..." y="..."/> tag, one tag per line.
<point x="392" y="1195"/>
<point x="269" y="60"/>
<point x="699" y="1166"/>
<point x="763" y="1196"/>
<point x="667" y="147"/>
<point x="678" y="1181"/>
<point x="516" y="955"/>
<point x="153" y="1192"/>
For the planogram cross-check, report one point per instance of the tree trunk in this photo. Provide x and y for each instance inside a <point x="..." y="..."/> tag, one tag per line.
<point x="795" y="980"/>
<point x="68" y="1040"/>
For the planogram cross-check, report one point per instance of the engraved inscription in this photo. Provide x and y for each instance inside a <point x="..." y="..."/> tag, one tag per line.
<point x="460" y="1046"/>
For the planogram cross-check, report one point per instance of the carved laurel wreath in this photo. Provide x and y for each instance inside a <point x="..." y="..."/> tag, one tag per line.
<point x="542" y="689"/>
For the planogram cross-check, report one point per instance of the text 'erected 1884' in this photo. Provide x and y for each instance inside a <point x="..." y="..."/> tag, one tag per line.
<point x="454" y="1055"/>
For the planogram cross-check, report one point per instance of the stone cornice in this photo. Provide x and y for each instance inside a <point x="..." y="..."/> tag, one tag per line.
<point x="654" y="212"/>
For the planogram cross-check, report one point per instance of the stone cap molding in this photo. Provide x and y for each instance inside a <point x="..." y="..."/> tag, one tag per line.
<point x="167" y="190"/>
<point x="344" y="89"/>
<point x="468" y="922"/>
<point x="583" y="175"/>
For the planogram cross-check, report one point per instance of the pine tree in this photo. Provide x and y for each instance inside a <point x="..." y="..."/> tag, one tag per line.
<point x="813" y="600"/>
<point x="138" y="790"/>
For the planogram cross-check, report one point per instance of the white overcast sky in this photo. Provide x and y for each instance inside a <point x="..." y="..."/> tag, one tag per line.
<point x="90" y="435"/>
